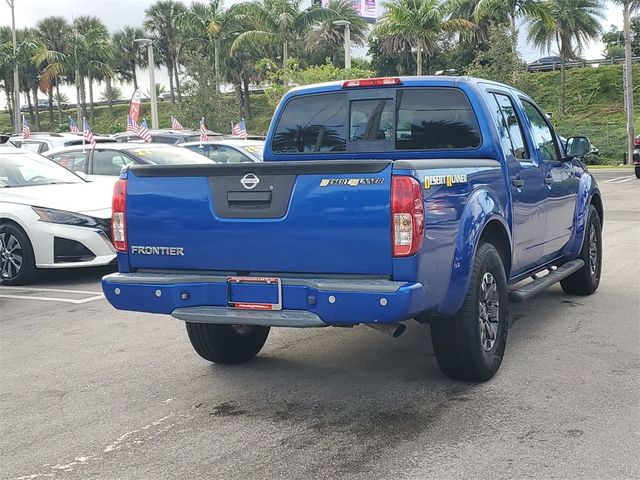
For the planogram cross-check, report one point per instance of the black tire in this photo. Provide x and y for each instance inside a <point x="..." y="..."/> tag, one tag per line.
<point x="227" y="343"/>
<point x="17" y="262"/>
<point x="637" y="170"/>
<point x="586" y="280"/>
<point x="462" y="352"/>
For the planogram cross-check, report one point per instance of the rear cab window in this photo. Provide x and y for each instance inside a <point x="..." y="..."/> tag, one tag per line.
<point x="412" y="118"/>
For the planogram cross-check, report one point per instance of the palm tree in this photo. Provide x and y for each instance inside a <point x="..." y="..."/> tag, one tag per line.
<point x="571" y="25"/>
<point x="418" y="23"/>
<point x="53" y="32"/>
<point x="329" y="38"/>
<point x="129" y="56"/>
<point x="511" y="10"/>
<point x="206" y="24"/>
<point x="628" y="7"/>
<point x="275" y="21"/>
<point x="161" y="20"/>
<point x="6" y="68"/>
<point x="95" y="52"/>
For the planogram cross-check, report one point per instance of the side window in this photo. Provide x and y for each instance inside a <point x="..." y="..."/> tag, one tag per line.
<point x="313" y="123"/>
<point x="435" y="118"/>
<point x="542" y="133"/>
<point x="109" y="162"/>
<point x="371" y="120"/>
<point x="74" y="161"/>
<point x="508" y="124"/>
<point x="232" y="155"/>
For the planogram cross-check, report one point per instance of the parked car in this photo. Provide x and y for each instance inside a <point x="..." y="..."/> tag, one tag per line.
<point x="106" y="160"/>
<point x="49" y="218"/>
<point x="164" y="96"/>
<point x="41" y="142"/>
<point x="172" y="137"/>
<point x="43" y="104"/>
<point x="228" y="151"/>
<point x="545" y="63"/>
<point x="380" y="200"/>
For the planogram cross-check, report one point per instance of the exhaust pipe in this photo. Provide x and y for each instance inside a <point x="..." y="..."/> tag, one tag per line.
<point x="393" y="329"/>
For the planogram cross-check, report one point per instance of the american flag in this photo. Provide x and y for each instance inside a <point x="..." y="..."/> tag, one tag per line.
<point x="143" y="131"/>
<point x="26" y="131"/>
<point x="73" y="128"/>
<point x="132" y="126"/>
<point x="203" y="131"/>
<point x="175" y="124"/>
<point x="240" y="130"/>
<point x="87" y="136"/>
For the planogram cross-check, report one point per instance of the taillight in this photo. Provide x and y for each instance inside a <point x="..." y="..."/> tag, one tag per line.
<point x="118" y="211"/>
<point x="372" y="82"/>
<point x="407" y="216"/>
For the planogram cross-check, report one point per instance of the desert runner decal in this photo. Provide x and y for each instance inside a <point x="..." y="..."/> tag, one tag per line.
<point x="448" y="180"/>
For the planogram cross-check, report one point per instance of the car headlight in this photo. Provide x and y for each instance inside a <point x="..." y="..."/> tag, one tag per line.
<point x="51" y="215"/>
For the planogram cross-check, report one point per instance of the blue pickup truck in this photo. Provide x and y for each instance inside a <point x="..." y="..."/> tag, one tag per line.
<point x="380" y="200"/>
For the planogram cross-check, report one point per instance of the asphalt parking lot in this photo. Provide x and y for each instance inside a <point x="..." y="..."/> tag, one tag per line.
<point x="87" y="392"/>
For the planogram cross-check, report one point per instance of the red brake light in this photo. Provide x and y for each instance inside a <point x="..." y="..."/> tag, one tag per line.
<point x="372" y="82"/>
<point x="118" y="219"/>
<point x="407" y="216"/>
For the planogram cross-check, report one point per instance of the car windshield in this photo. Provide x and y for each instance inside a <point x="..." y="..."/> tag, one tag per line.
<point x="30" y="169"/>
<point x="167" y="155"/>
<point x="255" y="149"/>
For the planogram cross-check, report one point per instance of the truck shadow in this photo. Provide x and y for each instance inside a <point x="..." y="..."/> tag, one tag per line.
<point x="52" y="277"/>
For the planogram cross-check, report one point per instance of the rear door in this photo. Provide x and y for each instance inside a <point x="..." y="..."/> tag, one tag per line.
<point x="291" y="217"/>
<point x="561" y="186"/>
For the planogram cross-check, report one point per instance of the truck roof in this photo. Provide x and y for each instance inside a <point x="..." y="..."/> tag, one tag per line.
<point x="406" y="81"/>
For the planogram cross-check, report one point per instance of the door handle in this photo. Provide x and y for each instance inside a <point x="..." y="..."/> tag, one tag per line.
<point x="548" y="180"/>
<point x="517" y="182"/>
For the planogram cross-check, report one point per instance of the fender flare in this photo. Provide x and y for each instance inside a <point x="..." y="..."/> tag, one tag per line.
<point x="586" y="191"/>
<point x="482" y="207"/>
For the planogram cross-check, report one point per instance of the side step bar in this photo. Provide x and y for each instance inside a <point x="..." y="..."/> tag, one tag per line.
<point x="539" y="284"/>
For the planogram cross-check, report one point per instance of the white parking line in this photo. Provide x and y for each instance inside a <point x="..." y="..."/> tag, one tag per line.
<point x="57" y="290"/>
<point x="619" y="179"/>
<point x="92" y="296"/>
<point x="55" y="299"/>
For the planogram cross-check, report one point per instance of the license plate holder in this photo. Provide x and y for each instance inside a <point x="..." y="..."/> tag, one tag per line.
<point x="273" y="282"/>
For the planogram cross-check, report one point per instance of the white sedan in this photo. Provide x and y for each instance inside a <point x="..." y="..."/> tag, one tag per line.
<point x="49" y="218"/>
<point x="228" y="150"/>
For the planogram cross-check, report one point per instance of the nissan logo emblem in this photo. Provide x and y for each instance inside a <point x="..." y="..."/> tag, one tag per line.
<point x="249" y="181"/>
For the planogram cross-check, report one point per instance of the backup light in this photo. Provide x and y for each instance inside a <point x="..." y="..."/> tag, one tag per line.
<point x="407" y="215"/>
<point x="118" y="219"/>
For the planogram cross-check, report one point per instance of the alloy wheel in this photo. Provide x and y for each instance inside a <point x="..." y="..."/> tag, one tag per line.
<point x="10" y="256"/>
<point x="488" y="311"/>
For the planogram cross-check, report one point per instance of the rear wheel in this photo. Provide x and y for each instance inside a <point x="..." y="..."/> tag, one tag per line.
<point x="470" y="345"/>
<point x="586" y="280"/>
<point x="17" y="262"/>
<point x="227" y="343"/>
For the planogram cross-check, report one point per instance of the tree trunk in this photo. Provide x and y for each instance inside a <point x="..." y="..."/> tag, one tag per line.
<point x="175" y="67"/>
<point x="35" y="100"/>
<point x="563" y="87"/>
<point x="59" y="100"/>
<point x="78" y="101"/>
<point x="135" y="77"/>
<point x="91" y="110"/>
<point x="10" y="106"/>
<point x="247" y="98"/>
<point x="285" y="53"/>
<point x="240" y="95"/>
<point x="83" y="97"/>
<point x="30" y="106"/>
<point x="108" y="89"/>
<point x="628" y="77"/>
<point x="419" y="60"/>
<point x="170" y="72"/>
<point x="50" y="106"/>
<point x="216" y="64"/>
<point x="514" y="34"/>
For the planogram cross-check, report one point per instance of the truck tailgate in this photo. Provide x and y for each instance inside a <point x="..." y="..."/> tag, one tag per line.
<point x="283" y="217"/>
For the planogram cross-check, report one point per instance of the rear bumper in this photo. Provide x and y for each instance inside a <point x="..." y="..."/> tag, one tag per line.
<point x="306" y="302"/>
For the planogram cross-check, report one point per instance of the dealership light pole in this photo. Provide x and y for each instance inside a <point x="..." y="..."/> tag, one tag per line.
<point x="152" y="80"/>
<point x="347" y="41"/>
<point x="16" y="86"/>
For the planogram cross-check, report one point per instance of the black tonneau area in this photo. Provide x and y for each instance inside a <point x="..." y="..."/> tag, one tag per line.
<point x="265" y="168"/>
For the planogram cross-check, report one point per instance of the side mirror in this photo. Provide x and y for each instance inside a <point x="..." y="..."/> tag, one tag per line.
<point x="578" y="147"/>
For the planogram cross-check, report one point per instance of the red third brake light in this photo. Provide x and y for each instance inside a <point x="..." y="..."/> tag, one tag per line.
<point x="118" y="211"/>
<point x="372" y="82"/>
<point x="407" y="216"/>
